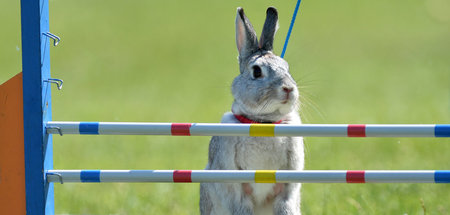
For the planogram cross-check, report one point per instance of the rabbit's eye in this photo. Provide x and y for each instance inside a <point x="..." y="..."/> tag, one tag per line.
<point x="257" y="73"/>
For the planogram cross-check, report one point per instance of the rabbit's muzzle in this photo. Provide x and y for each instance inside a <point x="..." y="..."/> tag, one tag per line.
<point x="287" y="94"/>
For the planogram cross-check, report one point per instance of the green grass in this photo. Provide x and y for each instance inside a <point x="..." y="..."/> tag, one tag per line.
<point x="173" y="61"/>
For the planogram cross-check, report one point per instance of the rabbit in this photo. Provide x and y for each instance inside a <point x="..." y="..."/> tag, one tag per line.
<point x="264" y="92"/>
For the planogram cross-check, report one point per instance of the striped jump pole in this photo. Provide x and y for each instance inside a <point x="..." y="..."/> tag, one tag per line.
<point x="230" y="129"/>
<point x="250" y="176"/>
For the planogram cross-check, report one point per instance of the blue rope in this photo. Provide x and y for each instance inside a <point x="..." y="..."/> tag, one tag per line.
<point x="290" y="28"/>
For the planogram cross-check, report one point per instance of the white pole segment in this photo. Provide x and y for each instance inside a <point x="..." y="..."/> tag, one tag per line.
<point x="219" y="129"/>
<point x="136" y="176"/>
<point x="380" y="130"/>
<point x="413" y="176"/>
<point x="224" y="176"/>
<point x="63" y="176"/>
<point x="313" y="130"/>
<point x="64" y="127"/>
<point x="134" y="128"/>
<point x="312" y="176"/>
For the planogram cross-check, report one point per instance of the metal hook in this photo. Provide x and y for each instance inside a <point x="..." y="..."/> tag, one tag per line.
<point x="54" y="128"/>
<point x="58" y="82"/>
<point x="55" y="38"/>
<point x="58" y="175"/>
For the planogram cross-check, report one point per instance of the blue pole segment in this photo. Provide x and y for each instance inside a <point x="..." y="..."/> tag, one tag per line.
<point x="442" y="176"/>
<point x="38" y="148"/>
<point x="442" y="130"/>
<point x="90" y="176"/>
<point x="294" y="16"/>
<point x="88" y="127"/>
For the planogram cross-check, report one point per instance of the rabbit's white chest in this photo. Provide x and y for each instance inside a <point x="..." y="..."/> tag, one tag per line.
<point x="267" y="153"/>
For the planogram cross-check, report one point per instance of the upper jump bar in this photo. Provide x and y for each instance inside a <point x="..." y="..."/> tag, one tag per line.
<point x="251" y="176"/>
<point x="231" y="129"/>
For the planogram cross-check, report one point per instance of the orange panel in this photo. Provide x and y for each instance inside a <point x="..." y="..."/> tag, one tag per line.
<point x="12" y="164"/>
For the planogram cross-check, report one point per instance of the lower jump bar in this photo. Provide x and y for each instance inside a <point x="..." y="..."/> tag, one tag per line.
<point x="231" y="129"/>
<point x="250" y="176"/>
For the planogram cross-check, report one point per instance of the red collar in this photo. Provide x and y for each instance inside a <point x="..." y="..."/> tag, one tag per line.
<point x="246" y="120"/>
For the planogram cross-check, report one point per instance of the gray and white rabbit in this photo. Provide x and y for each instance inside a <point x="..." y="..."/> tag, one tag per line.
<point x="264" y="92"/>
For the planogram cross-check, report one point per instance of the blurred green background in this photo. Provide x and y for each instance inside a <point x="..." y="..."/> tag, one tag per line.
<point x="173" y="61"/>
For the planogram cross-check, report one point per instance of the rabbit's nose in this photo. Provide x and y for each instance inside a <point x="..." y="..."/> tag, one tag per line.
<point x="288" y="90"/>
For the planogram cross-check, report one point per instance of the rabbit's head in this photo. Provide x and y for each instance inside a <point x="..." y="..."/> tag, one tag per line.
<point x="264" y="90"/>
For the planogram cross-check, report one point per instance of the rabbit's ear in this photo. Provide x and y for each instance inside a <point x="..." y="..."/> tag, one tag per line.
<point x="246" y="40"/>
<point x="269" y="29"/>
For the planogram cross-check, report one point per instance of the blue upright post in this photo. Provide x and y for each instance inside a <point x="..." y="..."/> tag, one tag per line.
<point x="37" y="106"/>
